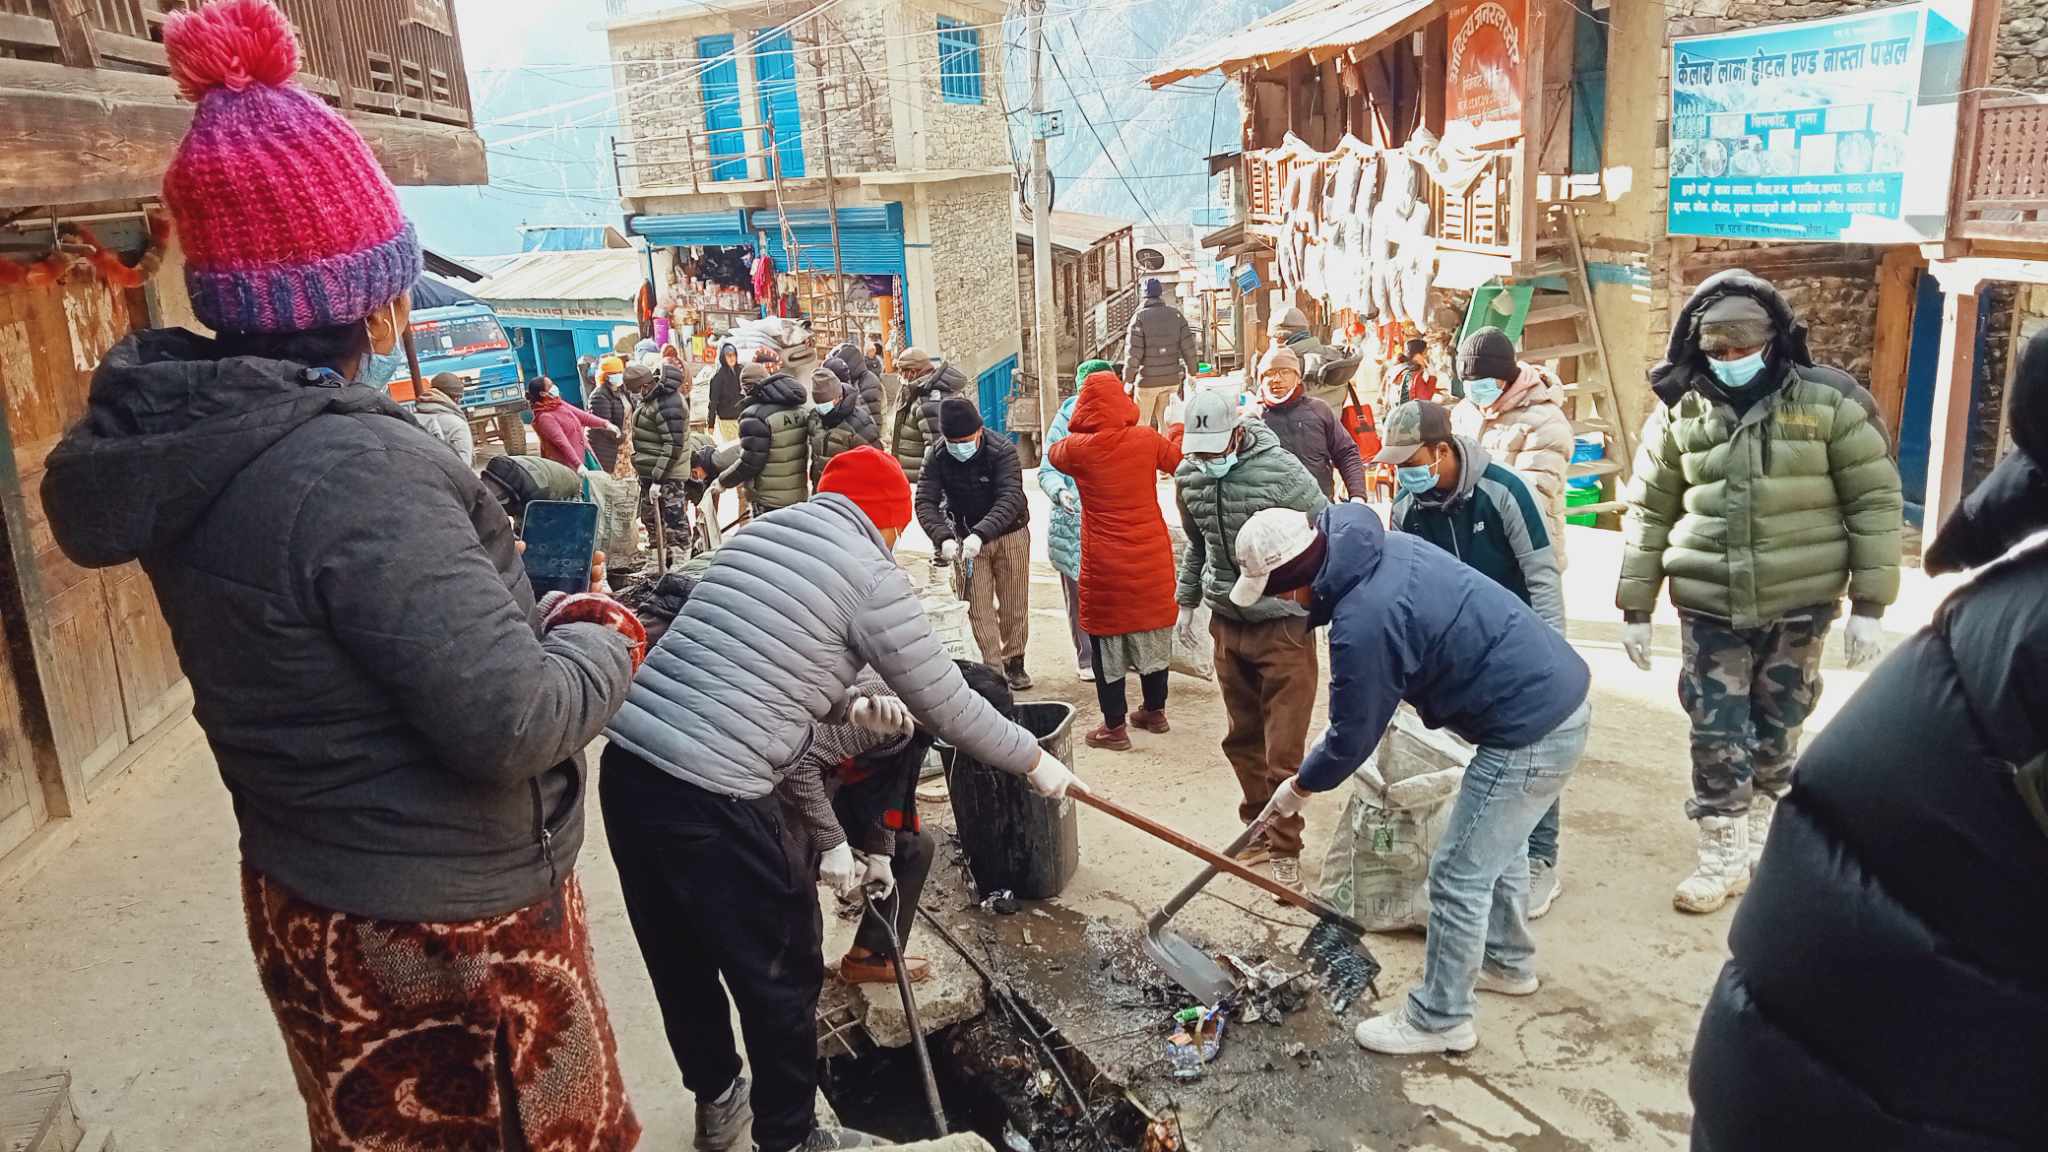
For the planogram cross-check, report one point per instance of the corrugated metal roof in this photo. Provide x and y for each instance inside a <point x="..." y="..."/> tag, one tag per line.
<point x="609" y="274"/>
<point x="1301" y="27"/>
<point x="1073" y="231"/>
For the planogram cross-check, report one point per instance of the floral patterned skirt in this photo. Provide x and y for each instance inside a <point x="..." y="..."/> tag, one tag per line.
<point x="407" y="1036"/>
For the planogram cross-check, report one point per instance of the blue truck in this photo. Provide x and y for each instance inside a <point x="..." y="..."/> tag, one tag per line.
<point x="455" y="332"/>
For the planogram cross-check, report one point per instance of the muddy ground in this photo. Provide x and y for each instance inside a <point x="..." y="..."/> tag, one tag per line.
<point x="125" y="958"/>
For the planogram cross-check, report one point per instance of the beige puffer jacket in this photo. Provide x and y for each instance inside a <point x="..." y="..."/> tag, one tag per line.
<point x="1527" y="430"/>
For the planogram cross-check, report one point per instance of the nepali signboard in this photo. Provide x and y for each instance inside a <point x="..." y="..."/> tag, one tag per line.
<point x="1827" y="130"/>
<point x="1488" y="60"/>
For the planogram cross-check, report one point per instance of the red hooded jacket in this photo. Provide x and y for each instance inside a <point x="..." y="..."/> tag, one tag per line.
<point x="1126" y="557"/>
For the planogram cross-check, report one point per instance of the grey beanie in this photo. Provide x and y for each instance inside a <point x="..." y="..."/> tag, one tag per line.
<point x="1736" y="320"/>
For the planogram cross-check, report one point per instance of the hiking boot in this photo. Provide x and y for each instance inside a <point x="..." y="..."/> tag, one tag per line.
<point x="1501" y="984"/>
<point x="1117" y="739"/>
<point x="1544" y="887"/>
<point x="1256" y="852"/>
<point x="720" y="1126"/>
<point x="1150" y="721"/>
<point x="1393" y="1035"/>
<point x="1287" y="870"/>
<point x="1761" y="806"/>
<point x="1723" y="869"/>
<point x="824" y="1139"/>
<point x="1020" y="680"/>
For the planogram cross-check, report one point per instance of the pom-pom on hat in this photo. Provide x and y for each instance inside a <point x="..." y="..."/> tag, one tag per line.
<point x="287" y="221"/>
<point x="874" y="481"/>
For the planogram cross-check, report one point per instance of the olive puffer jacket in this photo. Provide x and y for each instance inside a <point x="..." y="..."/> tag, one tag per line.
<point x="1213" y="512"/>
<point x="1758" y="513"/>
<point x="775" y="443"/>
<point x="916" y="431"/>
<point x="661" y="433"/>
<point x="846" y="426"/>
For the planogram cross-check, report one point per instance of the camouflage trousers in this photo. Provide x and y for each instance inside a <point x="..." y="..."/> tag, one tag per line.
<point x="1748" y="691"/>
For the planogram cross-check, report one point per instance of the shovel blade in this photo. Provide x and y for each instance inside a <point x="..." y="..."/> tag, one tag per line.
<point x="1189" y="966"/>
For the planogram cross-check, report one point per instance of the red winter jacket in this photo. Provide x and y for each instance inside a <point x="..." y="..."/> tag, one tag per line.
<point x="1126" y="558"/>
<point x="560" y="426"/>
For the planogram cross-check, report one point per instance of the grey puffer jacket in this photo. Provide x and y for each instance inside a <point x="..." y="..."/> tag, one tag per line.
<point x="444" y="421"/>
<point x="345" y="596"/>
<point x="861" y="378"/>
<point x="916" y="431"/>
<point x="776" y="633"/>
<point x="1159" y="348"/>
<point x="847" y="426"/>
<point x="1213" y="512"/>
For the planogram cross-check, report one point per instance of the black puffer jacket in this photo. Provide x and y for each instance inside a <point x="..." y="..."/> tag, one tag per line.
<point x="1887" y="988"/>
<point x="916" y="431"/>
<point x="775" y="443"/>
<point x="345" y="597"/>
<point x="861" y="377"/>
<point x="983" y="494"/>
<point x="845" y="427"/>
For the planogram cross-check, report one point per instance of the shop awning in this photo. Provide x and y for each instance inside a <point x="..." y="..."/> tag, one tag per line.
<point x="692" y="229"/>
<point x="870" y="238"/>
<point x="1361" y="27"/>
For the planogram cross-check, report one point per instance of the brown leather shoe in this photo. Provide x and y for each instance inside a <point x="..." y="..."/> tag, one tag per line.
<point x="1151" y="721"/>
<point x="873" y="968"/>
<point x="1117" y="739"/>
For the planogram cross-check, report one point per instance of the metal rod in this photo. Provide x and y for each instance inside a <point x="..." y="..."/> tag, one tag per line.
<point x="924" y="1058"/>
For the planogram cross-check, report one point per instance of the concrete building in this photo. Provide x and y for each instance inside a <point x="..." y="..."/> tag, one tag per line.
<point x="735" y="114"/>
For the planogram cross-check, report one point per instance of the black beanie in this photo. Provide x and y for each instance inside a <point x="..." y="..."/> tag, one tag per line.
<point x="1488" y="354"/>
<point x="958" y="418"/>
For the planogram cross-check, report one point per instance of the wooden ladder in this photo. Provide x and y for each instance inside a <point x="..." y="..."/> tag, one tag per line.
<point x="1562" y="329"/>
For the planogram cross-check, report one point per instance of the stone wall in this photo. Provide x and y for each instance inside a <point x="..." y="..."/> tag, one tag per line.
<point x="1840" y="313"/>
<point x="974" y="254"/>
<point x="959" y="135"/>
<point x="2022" y="60"/>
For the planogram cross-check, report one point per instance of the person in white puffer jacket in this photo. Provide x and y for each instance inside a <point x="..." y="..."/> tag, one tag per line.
<point x="1516" y="412"/>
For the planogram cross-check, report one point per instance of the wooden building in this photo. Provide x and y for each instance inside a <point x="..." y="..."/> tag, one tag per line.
<point x="1094" y="291"/>
<point x="89" y="118"/>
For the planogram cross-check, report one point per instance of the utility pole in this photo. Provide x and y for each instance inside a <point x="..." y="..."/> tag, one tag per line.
<point x="1044" y="333"/>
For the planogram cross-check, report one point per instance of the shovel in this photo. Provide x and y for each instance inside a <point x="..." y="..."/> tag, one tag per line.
<point x="1335" y="947"/>
<point x="1177" y="956"/>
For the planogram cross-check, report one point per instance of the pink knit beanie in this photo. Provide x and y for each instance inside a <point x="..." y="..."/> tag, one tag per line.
<point x="287" y="221"/>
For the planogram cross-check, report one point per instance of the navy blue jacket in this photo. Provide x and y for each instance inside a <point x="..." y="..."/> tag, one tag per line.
<point x="1409" y="621"/>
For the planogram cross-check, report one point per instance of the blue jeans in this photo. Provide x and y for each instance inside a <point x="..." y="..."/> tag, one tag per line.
<point x="1543" y="841"/>
<point x="1479" y="878"/>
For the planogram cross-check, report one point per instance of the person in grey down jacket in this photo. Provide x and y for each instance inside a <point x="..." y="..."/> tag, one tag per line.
<point x="1308" y="427"/>
<point x="970" y="501"/>
<point x="1266" y="664"/>
<point x="439" y="411"/>
<point x="839" y="421"/>
<point x="771" y="642"/>
<point x="399" y="729"/>
<point x="859" y="374"/>
<point x="1159" y="353"/>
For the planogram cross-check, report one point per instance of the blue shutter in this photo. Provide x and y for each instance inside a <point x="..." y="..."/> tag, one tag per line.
<point x="721" y="89"/>
<point x="994" y="389"/>
<point x="1589" y="94"/>
<point x="959" y="62"/>
<point x="775" y="86"/>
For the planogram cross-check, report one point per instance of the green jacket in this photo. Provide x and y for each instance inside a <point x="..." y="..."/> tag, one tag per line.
<point x="775" y="444"/>
<point x="1758" y="515"/>
<point x="661" y="432"/>
<point x="1212" y="512"/>
<point x="916" y="431"/>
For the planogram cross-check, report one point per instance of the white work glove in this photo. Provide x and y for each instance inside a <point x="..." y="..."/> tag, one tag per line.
<point x="970" y="548"/>
<point x="1635" y="640"/>
<point x="1070" y="500"/>
<point x="949" y="551"/>
<point x="880" y="879"/>
<point x="1358" y="500"/>
<point x="1176" y="412"/>
<point x="837" y="868"/>
<point x="1288" y="800"/>
<point x="883" y="715"/>
<point x="1864" y="641"/>
<point x="1051" y="779"/>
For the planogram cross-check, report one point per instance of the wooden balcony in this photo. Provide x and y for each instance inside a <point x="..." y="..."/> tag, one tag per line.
<point x="2003" y="195"/>
<point x="88" y="111"/>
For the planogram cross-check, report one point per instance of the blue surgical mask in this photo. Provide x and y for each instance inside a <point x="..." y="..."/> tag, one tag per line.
<point x="824" y="406"/>
<point x="1415" y="479"/>
<point x="377" y="368"/>
<point x="963" y="450"/>
<point x="1217" y="467"/>
<point x="1483" y="392"/>
<point x="1737" y="373"/>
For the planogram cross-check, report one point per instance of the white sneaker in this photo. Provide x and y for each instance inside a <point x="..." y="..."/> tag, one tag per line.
<point x="1086" y="673"/>
<point x="1286" y="870"/>
<point x="1761" y="808"/>
<point x="1723" y="869"/>
<point x="1503" y="985"/>
<point x="1393" y="1035"/>
<point x="1544" y="888"/>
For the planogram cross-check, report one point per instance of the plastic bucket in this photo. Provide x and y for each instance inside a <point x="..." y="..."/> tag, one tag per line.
<point x="1014" y="838"/>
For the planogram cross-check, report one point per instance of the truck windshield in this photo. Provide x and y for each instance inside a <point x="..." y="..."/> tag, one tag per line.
<point x="459" y="336"/>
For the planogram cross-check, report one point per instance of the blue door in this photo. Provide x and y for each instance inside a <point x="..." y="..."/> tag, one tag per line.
<point x="993" y="390"/>
<point x="721" y="87"/>
<point x="1916" y="414"/>
<point x="775" y="84"/>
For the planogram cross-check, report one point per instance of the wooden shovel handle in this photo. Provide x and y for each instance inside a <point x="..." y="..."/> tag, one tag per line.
<point x="1217" y="859"/>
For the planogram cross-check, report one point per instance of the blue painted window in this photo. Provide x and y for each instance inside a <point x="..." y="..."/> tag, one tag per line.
<point x="775" y="85"/>
<point x="1589" y="93"/>
<point x="959" y="62"/>
<point x="721" y="90"/>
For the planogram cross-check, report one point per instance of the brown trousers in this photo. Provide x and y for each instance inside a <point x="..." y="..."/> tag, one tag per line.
<point x="999" y="597"/>
<point x="1268" y="674"/>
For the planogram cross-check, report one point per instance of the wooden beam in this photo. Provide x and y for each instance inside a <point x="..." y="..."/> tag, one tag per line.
<point x="1948" y="436"/>
<point x="1528" y="150"/>
<point x="74" y="35"/>
<point x="1978" y="53"/>
<point x="28" y="31"/>
<point x="1434" y="47"/>
<point x="72" y="135"/>
<point x="1898" y="277"/>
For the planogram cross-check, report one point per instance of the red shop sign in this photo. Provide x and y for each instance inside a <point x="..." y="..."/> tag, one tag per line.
<point x="1484" y="79"/>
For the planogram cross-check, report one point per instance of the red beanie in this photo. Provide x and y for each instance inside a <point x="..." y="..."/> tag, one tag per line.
<point x="874" y="481"/>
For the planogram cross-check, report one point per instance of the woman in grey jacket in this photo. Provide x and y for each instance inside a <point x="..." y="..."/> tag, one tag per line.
<point x="771" y="641"/>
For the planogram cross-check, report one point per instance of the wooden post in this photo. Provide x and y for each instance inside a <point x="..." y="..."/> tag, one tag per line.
<point x="1949" y="434"/>
<point x="831" y="193"/>
<point x="1898" y="275"/>
<point x="74" y="34"/>
<point x="1529" y="151"/>
<point x="1977" y="58"/>
<point x="1434" y="48"/>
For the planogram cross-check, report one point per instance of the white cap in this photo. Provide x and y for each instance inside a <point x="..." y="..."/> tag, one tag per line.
<point x="1268" y="540"/>
<point x="1210" y="419"/>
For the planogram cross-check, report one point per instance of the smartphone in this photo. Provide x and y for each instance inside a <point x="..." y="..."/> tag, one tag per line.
<point x="561" y="541"/>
